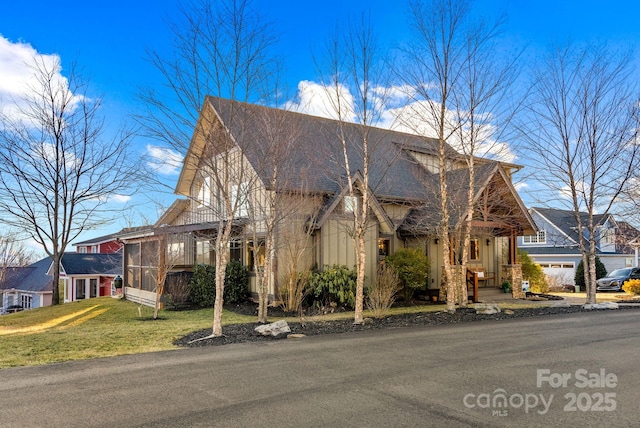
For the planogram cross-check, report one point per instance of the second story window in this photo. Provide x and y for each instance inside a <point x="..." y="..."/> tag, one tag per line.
<point x="204" y="192"/>
<point x="539" y="238"/>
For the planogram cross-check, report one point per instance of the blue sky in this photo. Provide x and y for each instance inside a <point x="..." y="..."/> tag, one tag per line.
<point x="109" y="39"/>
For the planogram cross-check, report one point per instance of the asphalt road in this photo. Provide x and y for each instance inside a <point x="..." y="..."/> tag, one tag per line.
<point x="562" y="371"/>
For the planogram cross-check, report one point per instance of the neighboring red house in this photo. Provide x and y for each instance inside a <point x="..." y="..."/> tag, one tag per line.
<point x="89" y="275"/>
<point x="107" y="244"/>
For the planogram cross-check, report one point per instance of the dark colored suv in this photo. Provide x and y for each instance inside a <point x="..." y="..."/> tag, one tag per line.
<point x="615" y="280"/>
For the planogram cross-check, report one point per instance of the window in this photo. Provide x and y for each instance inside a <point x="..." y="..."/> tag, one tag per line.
<point x="26" y="301"/>
<point x="83" y="250"/>
<point x="350" y="204"/>
<point x="93" y="288"/>
<point x="607" y="237"/>
<point x="80" y="292"/>
<point x="539" y="238"/>
<point x="256" y="253"/>
<point x="240" y="199"/>
<point x="383" y="247"/>
<point x="204" y="192"/>
<point x="204" y="252"/>
<point x="474" y="249"/>
<point x="235" y="250"/>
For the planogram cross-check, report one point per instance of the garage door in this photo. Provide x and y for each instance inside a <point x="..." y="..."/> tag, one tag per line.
<point x="564" y="272"/>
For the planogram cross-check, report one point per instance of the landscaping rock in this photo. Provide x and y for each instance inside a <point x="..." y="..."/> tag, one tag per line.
<point x="274" y="329"/>
<point x="296" y="336"/>
<point x="603" y="305"/>
<point x="487" y="308"/>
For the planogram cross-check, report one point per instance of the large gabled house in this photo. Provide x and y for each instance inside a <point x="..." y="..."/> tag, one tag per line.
<point x="556" y="245"/>
<point x="403" y="189"/>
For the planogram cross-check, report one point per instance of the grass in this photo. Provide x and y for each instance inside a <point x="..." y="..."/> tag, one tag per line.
<point x="94" y="328"/>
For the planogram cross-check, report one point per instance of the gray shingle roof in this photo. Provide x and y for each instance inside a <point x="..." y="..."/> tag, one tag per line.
<point x="314" y="158"/>
<point x="31" y="278"/>
<point x="565" y="220"/>
<point x="92" y="264"/>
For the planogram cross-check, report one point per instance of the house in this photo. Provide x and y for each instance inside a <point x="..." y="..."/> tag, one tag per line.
<point x="101" y="245"/>
<point x="307" y="154"/>
<point x="87" y="275"/>
<point x="555" y="246"/>
<point x="27" y="286"/>
<point x="83" y="276"/>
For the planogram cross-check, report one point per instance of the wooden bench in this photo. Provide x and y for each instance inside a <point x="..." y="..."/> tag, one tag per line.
<point x="488" y="277"/>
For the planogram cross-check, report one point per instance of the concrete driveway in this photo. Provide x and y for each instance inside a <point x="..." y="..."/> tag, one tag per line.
<point x="556" y="371"/>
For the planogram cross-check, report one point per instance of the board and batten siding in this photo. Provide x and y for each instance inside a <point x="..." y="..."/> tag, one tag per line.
<point x="337" y="246"/>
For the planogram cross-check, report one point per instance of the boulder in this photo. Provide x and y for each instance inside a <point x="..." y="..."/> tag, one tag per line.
<point x="274" y="329"/>
<point x="487" y="308"/>
<point x="603" y="305"/>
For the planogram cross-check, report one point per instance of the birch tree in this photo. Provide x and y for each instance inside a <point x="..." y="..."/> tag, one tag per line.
<point x="222" y="49"/>
<point x="436" y="59"/>
<point x="581" y="132"/>
<point x="58" y="165"/>
<point x="357" y="91"/>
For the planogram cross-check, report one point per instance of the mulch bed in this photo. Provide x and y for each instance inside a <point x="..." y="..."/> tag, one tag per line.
<point x="240" y="333"/>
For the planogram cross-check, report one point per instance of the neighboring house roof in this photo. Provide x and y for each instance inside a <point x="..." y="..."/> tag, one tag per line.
<point x="627" y="238"/>
<point x="32" y="278"/>
<point x="92" y="264"/>
<point x="97" y="240"/>
<point x="565" y="220"/>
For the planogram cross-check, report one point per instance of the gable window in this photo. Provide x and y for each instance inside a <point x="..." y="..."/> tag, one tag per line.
<point x="350" y="204"/>
<point x="240" y="199"/>
<point x="539" y="238"/>
<point x="204" y="192"/>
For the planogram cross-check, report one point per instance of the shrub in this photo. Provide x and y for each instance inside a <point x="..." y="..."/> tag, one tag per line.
<point x="601" y="272"/>
<point x="532" y="272"/>
<point x="334" y="285"/>
<point x="382" y="293"/>
<point x="294" y="289"/>
<point x="177" y="290"/>
<point x="236" y="283"/>
<point x="412" y="267"/>
<point x="203" y="289"/>
<point x="632" y="286"/>
<point x="202" y="286"/>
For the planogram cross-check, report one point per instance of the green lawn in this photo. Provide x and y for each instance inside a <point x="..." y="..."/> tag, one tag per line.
<point x="94" y="328"/>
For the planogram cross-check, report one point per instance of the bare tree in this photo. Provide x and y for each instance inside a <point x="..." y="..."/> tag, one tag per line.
<point x="436" y="57"/>
<point x="459" y="89"/>
<point x="57" y="166"/>
<point x="357" y="90"/>
<point x="581" y="131"/>
<point x="221" y="49"/>
<point x="13" y="253"/>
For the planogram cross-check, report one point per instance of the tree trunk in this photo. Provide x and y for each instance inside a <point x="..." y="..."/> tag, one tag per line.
<point x="360" y="260"/>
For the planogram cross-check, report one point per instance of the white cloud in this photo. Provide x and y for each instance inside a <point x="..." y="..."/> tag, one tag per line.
<point x="400" y="114"/>
<point x="18" y="78"/>
<point x="121" y="199"/>
<point x="164" y="160"/>
<point x="318" y="100"/>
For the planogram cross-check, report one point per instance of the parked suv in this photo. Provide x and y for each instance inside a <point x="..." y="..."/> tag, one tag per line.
<point x="615" y="280"/>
